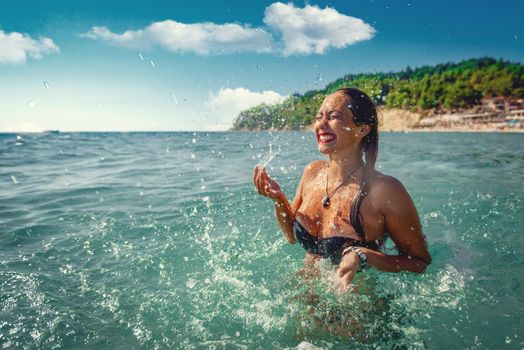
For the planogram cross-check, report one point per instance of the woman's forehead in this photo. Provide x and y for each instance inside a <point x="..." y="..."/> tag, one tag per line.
<point x="336" y="100"/>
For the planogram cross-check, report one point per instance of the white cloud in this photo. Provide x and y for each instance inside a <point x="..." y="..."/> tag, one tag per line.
<point x="314" y="30"/>
<point x="199" y="38"/>
<point x="228" y="103"/>
<point x="303" y="31"/>
<point x="15" y="47"/>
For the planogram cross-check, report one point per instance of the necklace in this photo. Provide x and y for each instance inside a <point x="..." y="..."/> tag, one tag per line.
<point x="326" y="201"/>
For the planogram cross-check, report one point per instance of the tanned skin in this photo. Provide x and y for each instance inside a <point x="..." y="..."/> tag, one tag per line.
<point x="387" y="208"/>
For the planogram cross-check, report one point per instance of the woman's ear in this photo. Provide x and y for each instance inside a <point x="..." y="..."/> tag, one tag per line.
<point x="363" y="130"/>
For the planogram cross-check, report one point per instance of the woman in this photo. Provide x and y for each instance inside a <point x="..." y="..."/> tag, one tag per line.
<point x="344" y="208"/>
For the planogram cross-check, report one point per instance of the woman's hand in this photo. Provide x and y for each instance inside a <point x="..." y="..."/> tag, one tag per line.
<point x="265" y="185"/>
<point x="349" y="265"/>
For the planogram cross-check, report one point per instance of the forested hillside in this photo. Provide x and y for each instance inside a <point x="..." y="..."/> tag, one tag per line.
<point x="448" y="87"/>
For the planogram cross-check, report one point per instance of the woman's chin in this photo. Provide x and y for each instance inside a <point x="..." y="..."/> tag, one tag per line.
<point x="325" y="149"/>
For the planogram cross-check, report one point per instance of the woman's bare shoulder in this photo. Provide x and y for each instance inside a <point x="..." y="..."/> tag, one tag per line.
<point x="389" y="194"/>
<point x="313" y="168"/>
<point x="386" y="188"/>
<point x="389" y="184"/>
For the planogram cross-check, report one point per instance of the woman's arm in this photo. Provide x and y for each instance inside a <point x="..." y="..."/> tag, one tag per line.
<point x="394" y="263"/>
<point x="403" y="224"/>
<point x="285" y="216"/>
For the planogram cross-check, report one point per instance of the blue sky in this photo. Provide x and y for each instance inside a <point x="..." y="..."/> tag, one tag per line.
<point x="159" y="65"/>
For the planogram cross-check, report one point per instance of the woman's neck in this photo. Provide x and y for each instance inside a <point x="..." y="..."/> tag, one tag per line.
<point x="340" y="167"/>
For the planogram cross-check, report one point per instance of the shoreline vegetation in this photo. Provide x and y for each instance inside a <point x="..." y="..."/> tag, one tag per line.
<point x="478" y="95"/>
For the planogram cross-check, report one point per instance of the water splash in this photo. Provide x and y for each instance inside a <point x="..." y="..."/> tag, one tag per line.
<point x="264" y="162"/>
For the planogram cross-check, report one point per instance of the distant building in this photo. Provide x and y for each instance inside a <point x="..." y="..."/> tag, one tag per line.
<point x="501" y="104"/>
<point x="516" y="114"/>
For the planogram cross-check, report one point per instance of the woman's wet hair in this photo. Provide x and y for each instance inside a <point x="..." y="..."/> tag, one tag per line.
<point x="364" y="113"/>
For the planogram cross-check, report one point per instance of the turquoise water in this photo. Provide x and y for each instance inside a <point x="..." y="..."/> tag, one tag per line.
<point x="158" y="240"/>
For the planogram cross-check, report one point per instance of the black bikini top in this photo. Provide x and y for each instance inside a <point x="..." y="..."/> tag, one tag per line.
<point x="331" y="247"/>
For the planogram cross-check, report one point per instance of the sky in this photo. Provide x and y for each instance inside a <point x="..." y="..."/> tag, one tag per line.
<point x="194" y="65"/>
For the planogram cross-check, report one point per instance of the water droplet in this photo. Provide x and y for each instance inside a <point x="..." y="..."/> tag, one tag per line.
<point x="152" y="63"/>
<point x="46" y="84"/>
<point x="141" y="57"/>
<point x="31" y="104"/>
<point x="13" y="178"/>
<point x="193" y="140"/>
<point x="193" y="156"/>
<point x="237" y="333"/>
<point x="190" y="283"/>
<point x="258" y="65"/>
<point x="205" y="199"/>
<point x="175" y="100"/>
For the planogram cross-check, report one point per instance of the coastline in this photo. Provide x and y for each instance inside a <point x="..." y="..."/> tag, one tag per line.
<point x="400" y="120"/>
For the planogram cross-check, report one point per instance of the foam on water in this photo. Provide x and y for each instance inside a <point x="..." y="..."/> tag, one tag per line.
<point x="159" y="241"/>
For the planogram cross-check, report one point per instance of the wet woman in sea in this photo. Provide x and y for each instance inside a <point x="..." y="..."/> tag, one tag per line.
<point x="344" y="208"/>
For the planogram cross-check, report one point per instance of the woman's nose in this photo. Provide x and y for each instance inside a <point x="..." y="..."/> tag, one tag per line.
<point x="322" y="122"/>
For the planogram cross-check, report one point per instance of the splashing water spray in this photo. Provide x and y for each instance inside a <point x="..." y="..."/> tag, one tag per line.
<point x="270" y="156"/>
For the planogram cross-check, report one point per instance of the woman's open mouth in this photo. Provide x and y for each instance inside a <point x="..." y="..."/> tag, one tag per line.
<point x="325" y="137"/>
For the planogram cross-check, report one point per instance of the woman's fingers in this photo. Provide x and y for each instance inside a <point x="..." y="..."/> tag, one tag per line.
<point x="265" y="185"/>
<point x="270" y="186"/>
<point x="255" y="173"/>
<point x="260" y="180"/>
<point x="257" y="180"/>
<point x="261" y="183"/>
<point x="345" y="282"/>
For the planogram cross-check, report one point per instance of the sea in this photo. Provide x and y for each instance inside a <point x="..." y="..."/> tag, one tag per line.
<point x="160" y="241"/>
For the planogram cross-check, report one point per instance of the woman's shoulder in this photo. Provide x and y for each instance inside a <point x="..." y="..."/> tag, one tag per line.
<point x="388" y="194"/>
<point x="386" y="185"/>
<point x="313" y="168"/>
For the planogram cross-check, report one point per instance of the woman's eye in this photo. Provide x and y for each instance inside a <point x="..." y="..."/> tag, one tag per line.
<point x="319" y="117"/>
<point x="333" y="117"/>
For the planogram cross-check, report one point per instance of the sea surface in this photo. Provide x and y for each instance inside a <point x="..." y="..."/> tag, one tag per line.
<point x="158" y="240"/>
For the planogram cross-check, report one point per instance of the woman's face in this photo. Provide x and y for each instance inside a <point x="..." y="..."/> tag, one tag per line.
<point x="334" y="126"/>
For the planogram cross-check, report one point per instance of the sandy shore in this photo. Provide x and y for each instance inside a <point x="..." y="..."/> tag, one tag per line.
<point x="399" y="120"/>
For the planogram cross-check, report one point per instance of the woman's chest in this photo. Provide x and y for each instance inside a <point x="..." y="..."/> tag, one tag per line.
<point x="335" y="219"/>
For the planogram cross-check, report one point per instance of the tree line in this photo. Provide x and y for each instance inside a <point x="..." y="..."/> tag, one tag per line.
<point x="448" y="87"/>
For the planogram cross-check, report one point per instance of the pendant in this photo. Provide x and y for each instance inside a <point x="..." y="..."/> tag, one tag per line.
<point x="325" y="202"/>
